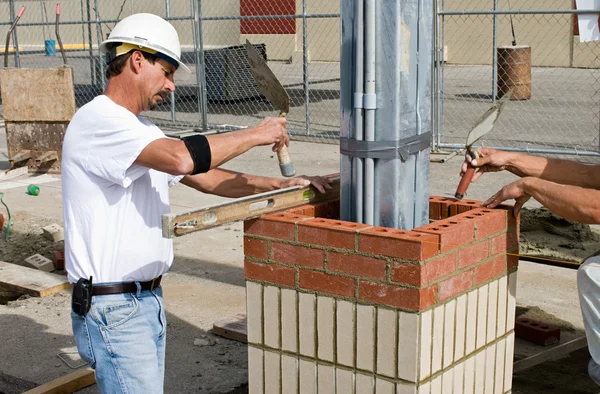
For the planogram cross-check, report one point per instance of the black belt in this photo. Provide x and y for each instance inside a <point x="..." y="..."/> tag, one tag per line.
<point x="126" y="287"/>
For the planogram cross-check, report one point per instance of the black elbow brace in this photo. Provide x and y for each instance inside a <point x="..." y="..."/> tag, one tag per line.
<point x="199" y="150"/>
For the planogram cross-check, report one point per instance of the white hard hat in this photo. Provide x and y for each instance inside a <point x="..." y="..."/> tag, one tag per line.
<point x="145" y="32"/>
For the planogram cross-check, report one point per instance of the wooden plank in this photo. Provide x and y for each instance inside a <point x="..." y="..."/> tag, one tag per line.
<point x="10" y="174"/>
<point x="30" y="281"/>
<point x="234" y="328"/>
<point x="176" y="225"/>
<point x="67" y="384"/>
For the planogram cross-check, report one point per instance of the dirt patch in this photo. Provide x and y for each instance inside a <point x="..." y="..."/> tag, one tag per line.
<point x="544" y="234"/>
<point x="537" y="314"/>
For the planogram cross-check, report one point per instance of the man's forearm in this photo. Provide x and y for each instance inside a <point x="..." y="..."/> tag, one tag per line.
<point x="570" y="202"/>
<point x="565" y="172"/>
<point x="231" y="184"/>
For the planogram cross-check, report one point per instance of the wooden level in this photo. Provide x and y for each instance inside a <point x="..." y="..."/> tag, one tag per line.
<point x="245" y="208"/>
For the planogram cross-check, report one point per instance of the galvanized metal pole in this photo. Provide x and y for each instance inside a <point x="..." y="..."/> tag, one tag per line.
<point x="14" y="35"/>
<point x="168" y="15"/>
<point x="203" y="98"/>
<point x="434" y="78"/>
<point x="305" y="67"/>
<point x="442" y="81"/>
<point x="370" y="71"/>
<point x="99" y="38"/>
<point x="197" y="50"/>
<point x="495" y="54"/>
<point x="358" y="164"/>
<point x="93" y="70"/>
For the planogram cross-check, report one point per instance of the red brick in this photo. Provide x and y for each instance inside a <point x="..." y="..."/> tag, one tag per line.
<point x="435" y="208"/>
<point x="451" y="233"/>
<point x="401" y="297"/>
<point x="473" y="254"/>
<point x="277" y="225"/>
<point x="421" y="275"/>
<point x="328" y="210"/>
<point x="487" y="221"/>
<point x="326" y="283"/>
<point x="59" y="259"/>
<point x="297" y="255"/>
<point x="270" y="273"/>
<point x="504" y="242"/>
<point x="255" y="248"/>
<point x="456" y="285"/>
<point x="461" y="206"/>
<point x="444" y="206"/>
<point x="401" y="244"/>
<point x="356" y="265"/>
<point x="329" y="232"/>
<point x="536" y="332"/>
<point x="305" y="210"/>
<point x="512" y="259"/>
<point x="489" y="270"/>
<point x="512" y="221"/>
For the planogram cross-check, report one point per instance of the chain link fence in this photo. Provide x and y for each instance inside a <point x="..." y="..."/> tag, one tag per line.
<point x="300" y="39"/>
<point x="556" y="104"/>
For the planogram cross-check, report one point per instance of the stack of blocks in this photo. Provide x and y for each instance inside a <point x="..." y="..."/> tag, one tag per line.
<point x="339" y="307"/>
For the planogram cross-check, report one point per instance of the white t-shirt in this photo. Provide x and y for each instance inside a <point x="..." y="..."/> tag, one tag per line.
<point x="112" y="207"/>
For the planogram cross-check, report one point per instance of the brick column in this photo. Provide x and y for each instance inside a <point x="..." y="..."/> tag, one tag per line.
<point x="340" y="307"/>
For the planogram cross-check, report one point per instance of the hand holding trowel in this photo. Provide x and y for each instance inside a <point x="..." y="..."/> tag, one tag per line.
<point x="271" y="88"/>
<point x="482" y="127"/>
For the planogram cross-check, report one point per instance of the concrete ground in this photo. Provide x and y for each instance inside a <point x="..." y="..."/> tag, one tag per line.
<point x="206" y="284"/>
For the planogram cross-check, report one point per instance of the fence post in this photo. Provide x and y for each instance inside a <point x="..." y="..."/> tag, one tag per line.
<point x="168" y="15"/>
<point x="434" y="80"/>
<point x="99" y="38"/>
<point x="200" y="68"/>
<point x="495" y="54"/>
<point x="305" y="67"/>
<point x="93" y="76"/>
<point x="14" y="34"/>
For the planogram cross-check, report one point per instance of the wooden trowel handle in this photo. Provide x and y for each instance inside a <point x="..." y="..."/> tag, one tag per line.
<point x="286" y="166"/>
<point x="465" y="181"/>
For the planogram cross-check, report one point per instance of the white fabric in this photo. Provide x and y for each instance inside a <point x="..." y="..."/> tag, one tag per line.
<point x="112" y="207"/>
<point x="588" y="285"/>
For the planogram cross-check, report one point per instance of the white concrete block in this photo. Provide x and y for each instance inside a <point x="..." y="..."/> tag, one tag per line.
<point x="255" y="371"/>
<point x="289" y="374"/>
<point x="499" y="378"/>
<point x="271" y="316"/>
<point x="436" y="385"/>
<point x="449" y="330"/>
<point x="471" y="334"/>
<point x="424" y="344"/>
<point x="272" y="372"/>
<point x="384" y="387"/>
<point x="511" y="302"/>
<point x="289" y="320"/>
<point x="459" y="378"/>
<point x="254" y="316"/>
<point x="479" y="372"/>
<point x="325" y="327"/>
<point x="438" y="339"/>
<point x="490" y="368"/>
<point x="482" y="305"/>
<point x="365" y="338"/>
<point x="387" y="339"/>
<point x="508" y="361"/>
<point x="345" y="328"/>
<point x="502" y="303"/>
<point x="406" y="388"/>
<point x="39" y="262"/>
<point x="425" y="388"/>
<point x="448" y="380"/>
<point x="492" y="313"/>
<point x="308" y="377"/>
<point x="344" y="381"/>
<point x="365" y="384"/>
<point x="54" y="233"/>
<point x="307" y="305"/>
<point x="408" y="345"/>
<point x="461" y="327"/>
<point x="469" y="384"/>
<point x="325" y="379"/>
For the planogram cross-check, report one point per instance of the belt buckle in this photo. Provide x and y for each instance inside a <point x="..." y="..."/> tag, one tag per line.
<point x="152" y="284"/>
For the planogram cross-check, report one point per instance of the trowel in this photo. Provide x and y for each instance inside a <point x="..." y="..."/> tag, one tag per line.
<point x="271" y="88"/>
<point x="481" y="128"/>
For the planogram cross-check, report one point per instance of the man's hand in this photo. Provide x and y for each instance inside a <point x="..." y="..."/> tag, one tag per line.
<point x="273" y="131"/>
<point x="318" y="182"/>
<point x="515" y="190"/>
<point x="489" y="160"/>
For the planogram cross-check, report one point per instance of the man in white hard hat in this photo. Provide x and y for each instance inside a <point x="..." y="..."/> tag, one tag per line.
<point x="570" y="190"/>
<point x="116" y="171"/>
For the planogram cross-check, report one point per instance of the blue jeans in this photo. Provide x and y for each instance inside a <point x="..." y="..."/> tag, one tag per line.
<point x="123" y="338"/>
<point x="588" y="284"/>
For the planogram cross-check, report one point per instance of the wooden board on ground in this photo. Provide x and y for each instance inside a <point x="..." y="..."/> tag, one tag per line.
<point x="234" y="328"/>
<point x="70" y="383"/>
<point x="31" y="281"/>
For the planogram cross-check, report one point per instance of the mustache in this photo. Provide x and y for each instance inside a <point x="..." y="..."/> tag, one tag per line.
<point x="164" y="94"/>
